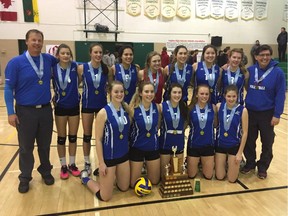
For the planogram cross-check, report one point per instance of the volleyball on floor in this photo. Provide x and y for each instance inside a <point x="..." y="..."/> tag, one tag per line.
<point x="143" y="186"/>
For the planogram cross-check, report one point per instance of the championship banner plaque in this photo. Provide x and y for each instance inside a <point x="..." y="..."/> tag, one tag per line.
<point x="168" y="8"/>
<point x="184" y="9"/>
<point x="152" y="8"/>
<point x="133" y="7"/>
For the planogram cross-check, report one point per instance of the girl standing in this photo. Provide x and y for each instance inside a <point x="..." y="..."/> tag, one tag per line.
<point x="144" y="134"/>
<point x="179" y="72"/>
<point x="126" y="72"/>
<point x="235" y="74"/>
<point x="207" y="72"/>
<point x="200" y="145"/>
<point x="173" y="123"/>
<point x="66" y="101"/>
<point x="111" y="138"/>
<point x="153" y="72"/>
<point x="94" y="97"/>
<point x="232" y="135"/>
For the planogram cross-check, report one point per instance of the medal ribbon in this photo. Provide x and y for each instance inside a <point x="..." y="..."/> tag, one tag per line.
<point x="210" y="77"/>
<point x="126" y="77"/>
<point x="62" y="84"/>
<point x="175" y="116"/>
<point x="227" y="122"/>
<point x="147" y="119"/>
<point x="235" y="79"/>
<point x="202" y="119"/>
<point x="180" y="79"/>
<point x="263" y="76"/>
<point x="154" y="82"/>
<point x="119" y="119"/>
<point x="39" y="71"/>
<point x="96" y="78"/>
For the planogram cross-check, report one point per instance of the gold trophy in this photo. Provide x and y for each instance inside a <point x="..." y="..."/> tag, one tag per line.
<point x="167" y="169"/>
<point x="175" y="160"/>
<point x="175" y="183"/>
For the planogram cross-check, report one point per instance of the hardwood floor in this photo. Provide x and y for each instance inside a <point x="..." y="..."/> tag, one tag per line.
<point x="249" y="196"/>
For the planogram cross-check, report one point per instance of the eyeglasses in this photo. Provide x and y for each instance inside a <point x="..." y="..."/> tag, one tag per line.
<point x="265" y="55"/>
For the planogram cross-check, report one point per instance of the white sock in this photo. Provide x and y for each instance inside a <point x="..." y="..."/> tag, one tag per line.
<point x="63" y="161"/>
<point x="72" y="159"/>
<point x="87" y="159"/>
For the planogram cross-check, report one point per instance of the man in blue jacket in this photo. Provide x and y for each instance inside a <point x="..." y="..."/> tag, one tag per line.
<point x="27" y="82"/>
<point x="265" y="103"/>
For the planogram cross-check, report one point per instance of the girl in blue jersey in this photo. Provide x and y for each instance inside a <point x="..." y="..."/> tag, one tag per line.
<point x="126" y="72"/>
<point x="66" y="101"/>
<point x="207" y="72"/>
<point x="94" y="75"/>
<point x="111" y="136"/>
<point x="173" y="123"/>
<point x="200" y="144"/>
<point x="232" y="135"/>
<point x="179" y="72"/>
<point x="144" y="134"/>
<point x="234" y="73"/>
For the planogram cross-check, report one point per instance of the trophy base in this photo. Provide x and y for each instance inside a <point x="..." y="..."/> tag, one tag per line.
<point x="175" y="185"/>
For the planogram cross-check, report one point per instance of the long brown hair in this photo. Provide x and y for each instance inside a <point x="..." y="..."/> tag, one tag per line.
<point x="109" y="89"/>
<point x="136" y="99"/>
<point x="182" y="105"/>
<point x="103" y="65"/>
<point x="148" y="61"/>
<point x="195" y="98"/>
<point x="241" y="66"/>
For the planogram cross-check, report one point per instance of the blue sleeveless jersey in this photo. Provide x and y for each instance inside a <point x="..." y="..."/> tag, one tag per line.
<point x="91" y="100"/>
<point x="132" y="88"/>
<point x="234" y="132"/>
<point x="71" y="98"/>
<point x="20" y="75"/>
<point x="240" y="85"/>
<point x="201" y="78"/>
<point x="138" y="138"/>
<point x="113" y="146"/>
<point x="173" y="79"/>
<point x="195" y="139"/>
<point x="167" y="139"/>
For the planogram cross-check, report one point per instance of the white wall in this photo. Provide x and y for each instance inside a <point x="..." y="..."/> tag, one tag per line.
<point x="64" y="20"/>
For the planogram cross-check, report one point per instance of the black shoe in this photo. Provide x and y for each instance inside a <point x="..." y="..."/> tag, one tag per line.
<point x="23" y="187"/>
<point x="48" y="179"/>
<point x="262" y="174"/>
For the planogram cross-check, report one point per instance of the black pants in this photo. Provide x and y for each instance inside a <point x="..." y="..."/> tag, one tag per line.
<point x="36" y="124"/>
<point x="259" y="121"/>
<point x="282" y="52"/>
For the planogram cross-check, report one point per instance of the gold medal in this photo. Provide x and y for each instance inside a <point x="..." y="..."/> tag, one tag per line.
<point x="226" y="134"/>
<point x="175" y="132"/>
<point x="63" y="93"/>
<point x="211" y="90"/>
<point x="121" y="136"/>
<point x="126" y="92"/>
<point x="202" y="132"/>
<point x="40" y="82"/>
<point x="148" y="134"/>
<point x="96" y="92"/>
